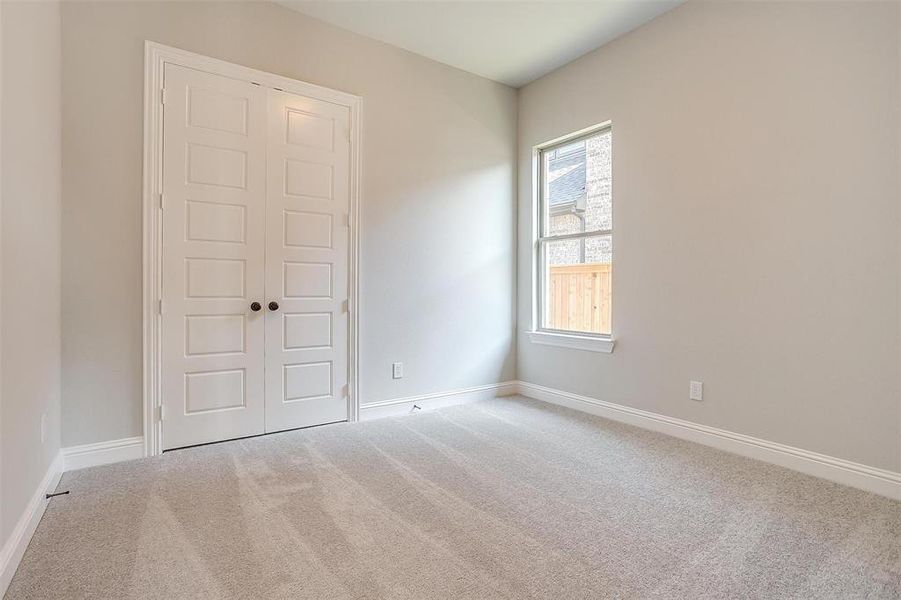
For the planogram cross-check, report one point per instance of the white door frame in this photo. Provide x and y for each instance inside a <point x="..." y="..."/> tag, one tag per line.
<point x="155" y="58"/>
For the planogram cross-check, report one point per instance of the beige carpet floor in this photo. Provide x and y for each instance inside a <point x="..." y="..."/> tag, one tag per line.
<point x="508" y="498"/>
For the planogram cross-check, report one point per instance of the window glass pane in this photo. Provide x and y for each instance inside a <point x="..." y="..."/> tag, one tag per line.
<point x="576" y="277"/>
<point x="577" y="195"/>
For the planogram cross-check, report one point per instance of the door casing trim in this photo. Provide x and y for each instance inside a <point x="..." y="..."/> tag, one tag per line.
<point x="155" y="58"/>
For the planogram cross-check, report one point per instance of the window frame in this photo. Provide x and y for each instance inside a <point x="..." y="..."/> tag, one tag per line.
<point x="583" y="340"/>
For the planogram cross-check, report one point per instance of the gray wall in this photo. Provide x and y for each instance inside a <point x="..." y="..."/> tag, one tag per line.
<point x="29" y="251"/>
<point x="756" y="218"/>
<point x="438" y="210"/>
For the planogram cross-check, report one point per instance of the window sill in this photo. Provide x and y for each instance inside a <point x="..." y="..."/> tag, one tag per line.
<point x="578" y="342"/>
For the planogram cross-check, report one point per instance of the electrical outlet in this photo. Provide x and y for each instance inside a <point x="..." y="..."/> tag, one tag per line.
<point x="43" y="427"/>
<point x="397" y="370"/>
<point x="696" y="390"/>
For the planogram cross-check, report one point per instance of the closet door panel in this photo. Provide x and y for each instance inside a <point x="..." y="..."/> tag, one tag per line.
<point x="306" y="262"/>
<point x="213" y="221"/>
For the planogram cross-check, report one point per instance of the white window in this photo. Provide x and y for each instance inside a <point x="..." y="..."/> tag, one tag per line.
<point x="574" y="250"/>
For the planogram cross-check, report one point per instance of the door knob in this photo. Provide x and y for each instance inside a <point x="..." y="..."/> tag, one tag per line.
<point x="273" y="305"/>
<point x="255" y="306"/>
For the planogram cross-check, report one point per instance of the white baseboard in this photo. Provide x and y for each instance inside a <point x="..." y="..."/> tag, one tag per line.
<point x="879" y="481"/>
<point x="403" y="406"/>
<point x="102" y="453"/>
<point x="14" y="548"/>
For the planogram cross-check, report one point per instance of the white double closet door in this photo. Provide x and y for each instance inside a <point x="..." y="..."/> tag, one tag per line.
<point x="254" y="325"/>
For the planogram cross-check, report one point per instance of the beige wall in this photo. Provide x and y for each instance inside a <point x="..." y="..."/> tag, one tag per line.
<point x="438" y="210"/>
<point x="30" y="252"/>
<point x="756" y="218"/>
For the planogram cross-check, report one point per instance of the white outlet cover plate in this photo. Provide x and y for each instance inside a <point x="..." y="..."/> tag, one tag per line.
<point x="696" y="391"/>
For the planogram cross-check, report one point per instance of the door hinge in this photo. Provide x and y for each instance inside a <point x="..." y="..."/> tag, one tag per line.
<point x="162" y="201"/>
<point x="345" y="391"/>
<point x="163" y="96"/>
<point x="161" y="412"/>
<point x="161" y="307"/>
<point x="345" y="306"/>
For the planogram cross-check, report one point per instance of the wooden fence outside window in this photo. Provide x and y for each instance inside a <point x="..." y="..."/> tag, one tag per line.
<point x="579" y="298"/>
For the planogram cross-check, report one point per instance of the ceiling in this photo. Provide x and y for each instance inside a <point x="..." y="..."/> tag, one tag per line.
<point x="509" y="41"/>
